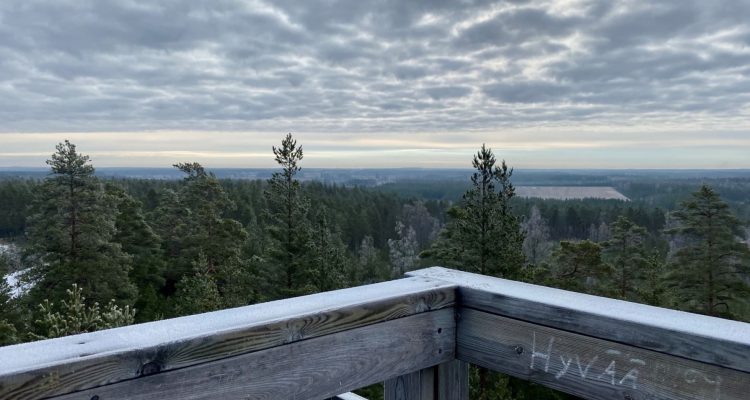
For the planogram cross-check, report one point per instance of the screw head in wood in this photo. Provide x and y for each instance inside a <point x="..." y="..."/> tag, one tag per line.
<point x="518" y="349"/>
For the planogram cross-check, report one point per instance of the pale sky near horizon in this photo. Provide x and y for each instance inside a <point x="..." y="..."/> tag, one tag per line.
<point x="546" y="84"/>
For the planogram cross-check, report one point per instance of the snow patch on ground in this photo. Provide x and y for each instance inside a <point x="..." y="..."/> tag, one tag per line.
<point x="17" y="286"/>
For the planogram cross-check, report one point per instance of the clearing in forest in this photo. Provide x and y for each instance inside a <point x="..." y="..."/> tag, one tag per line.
<point x="570" y="192"/>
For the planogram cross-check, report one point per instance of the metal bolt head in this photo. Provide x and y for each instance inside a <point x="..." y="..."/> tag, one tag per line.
<point x="518" y="349"/>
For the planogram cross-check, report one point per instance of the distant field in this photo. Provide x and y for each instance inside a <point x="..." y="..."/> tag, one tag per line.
<point x="570" y="192"/>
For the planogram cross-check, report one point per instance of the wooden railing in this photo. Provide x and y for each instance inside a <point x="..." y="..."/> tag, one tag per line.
<point x="416" y="334"/>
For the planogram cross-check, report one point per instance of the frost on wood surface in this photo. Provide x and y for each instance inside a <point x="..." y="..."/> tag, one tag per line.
<point x="34" y="355"/>
<point x="678" y="321"/>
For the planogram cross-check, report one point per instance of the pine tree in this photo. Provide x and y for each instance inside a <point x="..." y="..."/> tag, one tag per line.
<point x="137" y="239"/>
<point x="287" y="222"/>
<point x="74" y="316"/>
<point x="209" y="232"/>
<point x="15" y="196"/>
<point x="578" y="266"/>
<point x="652" y="290"/>
<point x="328" y="263"/>
<point x="483" y="235"/>
<point x="194" y="226"/>
<point x="171" y="220"/>
<point x="237" y="283"/>
<point x="625" y="252"/>
<point x="71" y="235"/>
<point x="198" y="292"/>
<point x="708" y="271"/>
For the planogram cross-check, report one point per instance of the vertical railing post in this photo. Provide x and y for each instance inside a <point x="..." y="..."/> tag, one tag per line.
<point x="453" y="380"/>
<point x="419" y="385"/>
<point x="447" y="381"/>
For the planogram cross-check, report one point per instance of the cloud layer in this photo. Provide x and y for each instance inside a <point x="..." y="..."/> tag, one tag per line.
<point x="363" y="68"/>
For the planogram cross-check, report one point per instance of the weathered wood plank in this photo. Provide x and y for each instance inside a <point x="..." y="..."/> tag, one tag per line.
<point x="418" y="385"/>
<point x="317" y="368"/>
<point x="447" y="381"/>
<point x="589" y="367"/>
<point x="58" y="366"/>
<point x="453" y="381"/>
<point x="697" y="337"/>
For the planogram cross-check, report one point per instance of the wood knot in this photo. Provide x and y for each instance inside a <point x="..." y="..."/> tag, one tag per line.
<point x="421" y="306"/>
<point x="293" y="333"/>
<point x="150" y="368"/>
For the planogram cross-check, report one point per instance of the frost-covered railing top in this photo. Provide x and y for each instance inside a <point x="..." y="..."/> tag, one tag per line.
<point x="318" y="346"/>
<point x="597" y="347"/>
<point x="307" y="347"/>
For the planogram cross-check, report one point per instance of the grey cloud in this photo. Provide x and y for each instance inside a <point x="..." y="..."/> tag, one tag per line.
<point x="525" y="92"/>
<point x="516" y="27"/>
<point x="656" y="22"/>
<point x="366" y="65"/>
<point x="447" y="92"/>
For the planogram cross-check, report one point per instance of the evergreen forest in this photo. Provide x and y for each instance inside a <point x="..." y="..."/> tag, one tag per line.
<point x="81" y="252"/>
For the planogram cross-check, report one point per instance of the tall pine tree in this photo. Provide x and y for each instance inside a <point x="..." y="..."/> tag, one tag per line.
<point x="709" y="270"/>
<point x="71" y="234"/>
<point x="288" y="225"/>
<point x="194" y="226"/>
<point x="483" y="235"/>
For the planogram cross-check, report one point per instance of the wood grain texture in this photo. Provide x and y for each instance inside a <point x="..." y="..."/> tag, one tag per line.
<point x="453" y="381"/>
<point x="418" y="385"/>
<point x="589" y="367"/>
<point x="311" y="369"/>
<point x="59" y="366"/>
<point x="717" y="341"/>
<point x="447" y="381"/>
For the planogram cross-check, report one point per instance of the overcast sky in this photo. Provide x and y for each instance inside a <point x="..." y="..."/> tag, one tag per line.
<point x="391" y="83"/>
